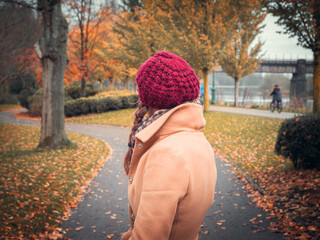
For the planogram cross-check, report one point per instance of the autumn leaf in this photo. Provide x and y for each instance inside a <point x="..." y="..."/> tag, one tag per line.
<point x="312" y="228"/>
<point x="79" y="228"/>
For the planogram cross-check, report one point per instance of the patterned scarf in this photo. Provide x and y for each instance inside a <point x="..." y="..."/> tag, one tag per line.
<point x="146" y="121"/>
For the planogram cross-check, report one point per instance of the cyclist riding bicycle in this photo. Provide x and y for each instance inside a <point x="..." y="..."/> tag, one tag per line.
<point x="277" y="99"/>
<point x="276" y="93"/>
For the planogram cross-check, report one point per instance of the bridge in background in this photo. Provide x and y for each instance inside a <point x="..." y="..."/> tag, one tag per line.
<point x="286" y="66"/>
<point x="299" y="68"/>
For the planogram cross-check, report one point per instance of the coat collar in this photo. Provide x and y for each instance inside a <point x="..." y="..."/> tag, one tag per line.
<point x="185" y="117"/>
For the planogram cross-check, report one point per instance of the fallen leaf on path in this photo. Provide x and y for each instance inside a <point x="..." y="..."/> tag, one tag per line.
<point x="79" y="228"/>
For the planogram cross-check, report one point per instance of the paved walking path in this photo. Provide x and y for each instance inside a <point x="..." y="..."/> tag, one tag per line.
<point x="253" y="112"/>
<point x="103" y="210"/>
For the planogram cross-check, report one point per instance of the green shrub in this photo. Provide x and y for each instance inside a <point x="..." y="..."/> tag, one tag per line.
<point x="9" y="99"/>
<point x="255" y="106"/>
<point x="80" y="106"/>
<point x="76" y="107"/>
<point x="35" y="103"/>
<point x="21" y="82"/>
<point x="99" y="104"/>
<point x="6" y="97"/>
<point x="74" y="91"/>
<point x="299" y="139"/>
<point x="24" y="95"/>
<point x="133" y="100"/>
<point x="109" y="103"/>
<point x="93" y="104"/>
<point x="73" y="108"/>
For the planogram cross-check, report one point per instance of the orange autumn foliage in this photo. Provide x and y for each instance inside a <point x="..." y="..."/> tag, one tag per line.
<point x="29" y="62"/>
<point x="87" y="57"/>
<point x="80" y="65"/>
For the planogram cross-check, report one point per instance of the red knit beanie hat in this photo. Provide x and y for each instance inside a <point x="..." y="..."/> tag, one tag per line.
<point x="166" y="80"/>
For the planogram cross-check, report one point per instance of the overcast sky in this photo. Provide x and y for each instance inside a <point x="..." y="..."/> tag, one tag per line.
<point x="280" y="46"/>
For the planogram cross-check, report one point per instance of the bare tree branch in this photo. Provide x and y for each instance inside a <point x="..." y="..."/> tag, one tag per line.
<point x="20" y="3"/>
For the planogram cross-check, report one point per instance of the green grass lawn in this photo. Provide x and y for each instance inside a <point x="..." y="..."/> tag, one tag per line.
<point x="248" y="140"/>
<point x="122" y="117"/>
<point x="267" y="108"/>
<point x="38" y="185"/>
<point x="9" y="107"/>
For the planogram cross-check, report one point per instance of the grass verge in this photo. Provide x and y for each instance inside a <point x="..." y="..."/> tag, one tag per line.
<point x="290" y="195"/>
<point x="38" y="186"/>
<point x="9" y="107"/>
<point x="122" y="117"/>
<point x="248" y="140"/>
<point x="267" y="108"/>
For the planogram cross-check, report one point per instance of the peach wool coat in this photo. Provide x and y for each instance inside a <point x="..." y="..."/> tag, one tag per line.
<point x="172" y="177"/>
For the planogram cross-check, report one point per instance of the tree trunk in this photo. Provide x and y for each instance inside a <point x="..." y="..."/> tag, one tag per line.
<point x="111" y="84"/>
<point x="53" y="45"/>
<point x="126" y="83"/>
<point x="83" y="87"/>
<point x="316" y="82"/>
<point x="316" y="59"/>
<point x="236" y="90"/>
<point x="206" y="89"/>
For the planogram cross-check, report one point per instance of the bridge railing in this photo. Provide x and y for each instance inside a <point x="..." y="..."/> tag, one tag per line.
<point x="282" y="66"/>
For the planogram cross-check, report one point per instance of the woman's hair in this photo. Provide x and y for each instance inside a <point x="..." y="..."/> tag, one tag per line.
<point x="139" y="114"/>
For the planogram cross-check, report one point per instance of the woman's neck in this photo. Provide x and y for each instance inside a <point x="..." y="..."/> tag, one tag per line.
<point x="151" y="111"/>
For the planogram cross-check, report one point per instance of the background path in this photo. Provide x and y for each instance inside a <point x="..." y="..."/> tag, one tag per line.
<point x="253" y="112"/>
<point x="103" y="210"/>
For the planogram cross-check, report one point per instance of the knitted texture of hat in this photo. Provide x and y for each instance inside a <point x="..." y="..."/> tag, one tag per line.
<point x="166" y="80"/>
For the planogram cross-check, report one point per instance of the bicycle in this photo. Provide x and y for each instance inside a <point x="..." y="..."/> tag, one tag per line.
<point x="274" y="105"/>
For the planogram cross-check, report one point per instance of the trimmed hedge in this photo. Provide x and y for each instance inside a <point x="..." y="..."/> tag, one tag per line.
<point x="299" y="139"/>
<point x="22" y="81"/>
<point x="6" y="97"/>
<point x="35" y="102"/>
<point x="74" y="91"/>
<point x="99" y="104"/>
<point x="24" y="95"/>
<point x="80" y="106"/>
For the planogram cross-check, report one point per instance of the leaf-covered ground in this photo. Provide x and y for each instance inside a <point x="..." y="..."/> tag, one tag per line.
<point x="9" y="107"/>
<point x="38" y="186"/>
<point x="292" y="196"/>
<point x="248" y="140"/>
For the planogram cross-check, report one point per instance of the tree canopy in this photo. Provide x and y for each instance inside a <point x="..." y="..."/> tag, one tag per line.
<point x="240" y="56"/>
<point x="301" y="19"/>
